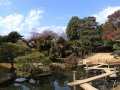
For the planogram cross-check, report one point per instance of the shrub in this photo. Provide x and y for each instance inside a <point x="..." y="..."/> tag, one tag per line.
<point x="35" y="61"/>
<point x="71" y="61"/>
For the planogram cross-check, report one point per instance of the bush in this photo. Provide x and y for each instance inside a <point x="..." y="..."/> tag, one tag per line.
<point x="71" y="61"/>
<point x="35" y="57"/>
<point x="9" y="51"/>
<point x="35" y="61"/>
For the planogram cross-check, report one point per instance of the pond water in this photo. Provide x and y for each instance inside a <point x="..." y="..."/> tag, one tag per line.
<point x="57" y="82"/>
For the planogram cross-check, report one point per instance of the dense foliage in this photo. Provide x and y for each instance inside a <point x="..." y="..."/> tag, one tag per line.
<point x="85" y="35"/>
<point x="34" y="57"/>
<point x="9" y="51"/>
<point x="32" y="62"/>
<point x="12" y="37"/>
<point x="111" y="31"/>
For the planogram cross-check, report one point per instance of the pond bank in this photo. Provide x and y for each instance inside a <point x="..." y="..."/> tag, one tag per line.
<point x="7" y="77"/>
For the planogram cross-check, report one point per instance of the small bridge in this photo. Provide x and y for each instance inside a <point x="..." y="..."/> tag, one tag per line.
<point x="85" y="82"/>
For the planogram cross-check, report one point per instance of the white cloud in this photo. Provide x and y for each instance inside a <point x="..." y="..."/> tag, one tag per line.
<point x="102" y="15"/>
<point x="33" y="19"/>
<point x="21" y="23"/>
<point x="5" y="3"/>
<point x="54" y="28"/>
<point x="25" y="24"/>
<point x="11" y="22"/>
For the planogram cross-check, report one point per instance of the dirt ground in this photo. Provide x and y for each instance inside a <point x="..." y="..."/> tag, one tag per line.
<point x="101" y="58"/>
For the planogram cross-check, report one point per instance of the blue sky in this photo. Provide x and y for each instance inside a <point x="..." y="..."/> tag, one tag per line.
<point x="24" y="15"/>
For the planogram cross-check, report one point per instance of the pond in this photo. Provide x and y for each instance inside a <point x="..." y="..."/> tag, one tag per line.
<point x="57" y="81"/>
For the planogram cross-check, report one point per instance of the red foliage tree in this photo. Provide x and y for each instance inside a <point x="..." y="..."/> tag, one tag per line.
<point x="112" y="26"/>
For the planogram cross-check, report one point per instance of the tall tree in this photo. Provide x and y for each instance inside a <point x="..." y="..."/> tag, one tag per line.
<point x="111" y="30"/>
<point x="115" y="20"/>
<point x="13" y="37"/>
<point x="85" y="34"/>
<point x="73" y="28"/>
<point x="112" y="26"/>
<point x="9" y="51"/>
<point x="47" y="41"/>
<point x="44" y="41"/>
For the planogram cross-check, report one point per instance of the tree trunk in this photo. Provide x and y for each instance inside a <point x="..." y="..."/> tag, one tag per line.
<point x="12" y="63"/>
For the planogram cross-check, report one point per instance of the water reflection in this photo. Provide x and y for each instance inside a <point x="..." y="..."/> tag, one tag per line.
<point x="28" y="86"/>
<point x="21" y="86"/>
<point x="56" y="82"/>
<point x="58" y="87"/>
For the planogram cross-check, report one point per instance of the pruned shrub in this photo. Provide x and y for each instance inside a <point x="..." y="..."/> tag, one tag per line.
<point x="34" y="62"/>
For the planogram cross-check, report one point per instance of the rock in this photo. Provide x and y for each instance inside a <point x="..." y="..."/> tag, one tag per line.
<point x="32" y="81"/>
<point x="20" y="80"/>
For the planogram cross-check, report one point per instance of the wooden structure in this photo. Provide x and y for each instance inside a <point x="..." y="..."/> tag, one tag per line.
<point x="85" y="83"/>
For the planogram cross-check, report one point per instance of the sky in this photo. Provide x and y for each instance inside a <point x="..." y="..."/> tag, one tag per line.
<point x="25" y="16"/>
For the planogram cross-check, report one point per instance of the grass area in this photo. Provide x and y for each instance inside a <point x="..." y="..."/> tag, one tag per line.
<point x="5" y="65"/>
